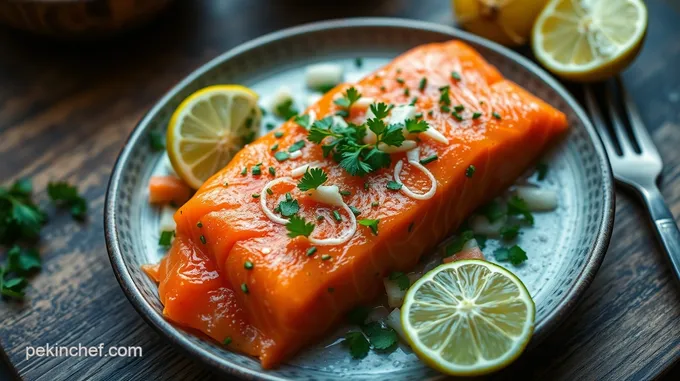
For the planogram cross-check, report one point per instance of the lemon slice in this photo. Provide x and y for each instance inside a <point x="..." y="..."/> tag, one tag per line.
<point x="589" y="40"/>
<point x="208" y="128"/>
<point x="468" y="318"/>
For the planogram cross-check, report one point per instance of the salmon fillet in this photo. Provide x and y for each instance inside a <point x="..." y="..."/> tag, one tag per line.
<point x="289" y="299"/>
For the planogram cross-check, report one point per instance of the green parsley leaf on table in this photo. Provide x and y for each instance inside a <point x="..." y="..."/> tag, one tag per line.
<point x="156" y="140"/>
<point x="416" y="126"/>
<point x="400" y="279"/>
<point x="286" y="110"/>
<point x="357" y="343"/>
<point x="20" y="263"/>
<point x="380" y="337"/>
<point x="349" y="98"/>
<point x="312" y="179"/>
<point x="65" y="195"/>
<point x="514" y="255"/>
<point x="372" y="224"/>
<point x="20" y="218"/>
<point x="517" y="206"/>
<point x="358" y="315"/>
<point x="297" y="226"/>
<point x="456" y="245"/>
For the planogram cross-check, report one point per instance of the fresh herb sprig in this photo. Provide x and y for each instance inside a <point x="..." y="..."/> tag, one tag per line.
<point x="297" y="226"/>
<point x="312" y="179"/>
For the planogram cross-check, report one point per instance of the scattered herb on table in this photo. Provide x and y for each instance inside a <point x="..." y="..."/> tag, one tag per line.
<point x="64" y="195"/>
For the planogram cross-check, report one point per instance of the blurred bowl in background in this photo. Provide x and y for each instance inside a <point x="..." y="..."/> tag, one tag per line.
<point x="78" y="18"/>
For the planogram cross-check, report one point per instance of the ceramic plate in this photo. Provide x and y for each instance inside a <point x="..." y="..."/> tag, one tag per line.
<point x="565" y="247"/>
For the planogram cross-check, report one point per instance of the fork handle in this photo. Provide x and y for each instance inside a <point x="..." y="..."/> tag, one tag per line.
<point x="664" y="225"/>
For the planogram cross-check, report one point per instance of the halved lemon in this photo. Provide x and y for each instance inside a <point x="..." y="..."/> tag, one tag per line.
<point x="468" y="318"/>
<point x="208" y="128"/>
<point x="589" y="40"/>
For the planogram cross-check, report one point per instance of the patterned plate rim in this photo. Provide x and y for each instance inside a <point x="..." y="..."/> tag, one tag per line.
<point x="554" y="318"/>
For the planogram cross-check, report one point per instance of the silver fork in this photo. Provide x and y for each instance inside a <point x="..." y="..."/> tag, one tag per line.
<point x="637" y="171"/>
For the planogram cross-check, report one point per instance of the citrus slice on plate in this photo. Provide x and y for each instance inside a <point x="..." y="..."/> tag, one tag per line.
<point x="468" y="318"/>
<point x="208" y="128"/>
<point x="589" y="40"/>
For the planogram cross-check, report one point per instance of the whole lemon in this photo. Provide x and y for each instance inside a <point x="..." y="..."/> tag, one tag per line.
<point x="507" y="22"/>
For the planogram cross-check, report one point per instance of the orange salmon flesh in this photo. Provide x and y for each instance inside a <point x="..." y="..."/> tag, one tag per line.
<point x="293" y="299"/>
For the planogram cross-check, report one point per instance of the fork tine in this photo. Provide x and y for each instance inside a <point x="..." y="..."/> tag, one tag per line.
<point x="639" y="130"/>
<point x="596" y="116"/>
<point x="619" y="129"/>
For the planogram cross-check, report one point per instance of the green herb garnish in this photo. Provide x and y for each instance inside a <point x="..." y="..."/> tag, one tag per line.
<point x="416" y="126"/>
<point x="311" y="251"/>
<point x="256" y="170"/>
<point x="297" y="226"/>
<point x="248" y="265"/>
<point x="358" y="62"/>
<point x="227" y="341"/>
<point x="286" y="109"/>
<point x="156" y="140"/>
<point x="423" y="83"/>
<point x="496" y="115"/>
<point x="470" y="171"/>
<point x="509" y="231"/>
<point x="296" y="146"/>
<point x="350" y="96"/>
<point x="476" y="115"/>
<point x="244" y="288"/>
<point x="312" y="179"/>
<point x="278" y="134"/>
<point x="457" y="244"/>
<point x="166" y="238"/>
<point x="541" y="171"/>
<point x="357" y="343"/>
<point x="393" y="185"/>
<point x="372" y="224"/>
<point x="272" y="171"/>
<point x="281" y="156"/>
<point x="517" y="206"/>
<point x="400" y="279"/>
<point x="303" y="121"/>
<point x="428" y="159"/>
<point x="325" y="257"/>
<point x="455" y="75"/>
<point x="515" y="255"/>
<point x="64" y="195"/>
<point x="289" y="207"/>
<point x="202" y="238"/>
<point x="337" y="216"/>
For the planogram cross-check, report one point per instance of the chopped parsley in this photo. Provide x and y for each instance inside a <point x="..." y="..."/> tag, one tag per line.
<point x="281" y="156"/>
<point x="514" y="255"/>
<point x="358" y="315"/>
<point x="457" y="244"/>
<point x="202" y="238"/>
<point x="470" y="171"/>
<point x="400" y="81"/>
<point x="303" y="121"/>
<point x="350" y="96"/>
<point x="296" y="146"/>
<point x="244" y="171"/>
<point x="345" y="193"/>
<point x="372" y="224"/>
<point x="428" y="159"/>
<point x="289" y="207"/>
<point x="541" y="171"/>
<point x="64" y="195"/>
<point x="357" y="343"/>
<point x="199" y="224"/>
<point x="312" y="179"/>
<point x="270" y="126"/>
<point x="459" y="108"/>
<point x="270" y="191"/>
<point x="286" y="110"/>
<point x="400" y="279"/>
<point x="325" y="257"/>
<point x="517" y="206"/>
<point x="256" y="170"/>
<point x="457" y="116"/>
<point x="274" y="147"/>
<point x="476" y="115"/>
<point x="156" y="140"/>
<point x="278" y="134"/>
<point x="337" y="216"/>
<point x="492" y="211"/>
<point x="311" y="251"/>
<point x="166" y="238"/>
<point x="444" y="99"/>
<point x="354" y="210"/>
<point x="455" y="75"/>
<point x="496" y="115"/>
<point x="248" y="265"/>
<point x="375" y="204"/>
<point x="423" y="83"/>
<point x="509" y="231"/>
<point x="415" y="126"/>
<point x="297" y="226"/>
<point x="272" y="171"/>
<point x="244" y="288"/>
<point x="358" y="62"/>
<point x="407" y="92"/>
<point x="393" y="185"/>
<point x="255" y="195"/>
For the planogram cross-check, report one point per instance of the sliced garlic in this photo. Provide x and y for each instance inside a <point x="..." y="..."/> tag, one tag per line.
<point x="435" y="135"/>
<point x="327" y="194"/>
<point x="323" y="75"/>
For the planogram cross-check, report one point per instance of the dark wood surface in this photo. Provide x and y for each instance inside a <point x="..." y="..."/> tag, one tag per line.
<point x="67" y="108"/>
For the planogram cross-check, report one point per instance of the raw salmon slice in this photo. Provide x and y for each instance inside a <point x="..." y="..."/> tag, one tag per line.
<point x="288" y="299"/>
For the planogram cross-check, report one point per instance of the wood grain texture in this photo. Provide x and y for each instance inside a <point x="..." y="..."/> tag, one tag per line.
<point x="66" y="110"/>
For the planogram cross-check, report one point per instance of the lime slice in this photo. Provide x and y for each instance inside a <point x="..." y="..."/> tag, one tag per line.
<point x="589" y="40"/>
<point x="208" y="128"/>
<point x="468" y="318"/>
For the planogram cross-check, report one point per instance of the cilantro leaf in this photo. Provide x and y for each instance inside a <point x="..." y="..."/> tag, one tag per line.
<point x="303" y="121"/>
<point x="22" y="188"/>
<point x="288" y="208"/>
<point x="393" y="135"/>
<point x="352" y="163"/>
<point x="286" y="110"/>
<point x="400" y="279"/>
<point x="382" y="338"/>
<point x="509" y="231"/>
<point x="65" y="195"/>
<point x="376" y="125"/>
<point x="517" y="206"/>
<point x="27" y="217"/>
<point x="312" y="179"/>
<point x="358" y="345"/>
<point x="457" y="244"/>
<point x="514" y="254"/>
<point x="377" y="159"/>
<point x="492" y="211"/>
<point x="156" y="140"/>
<point x="12" y="287"/>
<point x="321" y="129"/>
<point x="358" y="315"/>
<point x="393" y="185"/>
<point x="296" y="146"/>
<point x="165" y="239"/>
<point x="415" y="126"/>
<point x="23" y="261"/>
<point x="380" y="110"/>
<point x="350" y="97"/>
<point x="297" y="226"/>
<point x="372" y="224"/>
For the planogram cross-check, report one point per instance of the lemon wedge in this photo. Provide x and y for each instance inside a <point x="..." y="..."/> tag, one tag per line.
<point x="589" y="40"/>
<point x="468" y="318"/>
<point x="208" y="128"/>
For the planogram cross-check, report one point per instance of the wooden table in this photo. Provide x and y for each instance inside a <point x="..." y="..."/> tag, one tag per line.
<point x="66" y="110"/>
